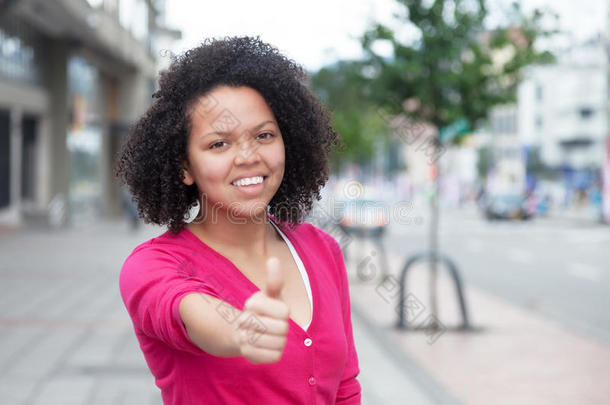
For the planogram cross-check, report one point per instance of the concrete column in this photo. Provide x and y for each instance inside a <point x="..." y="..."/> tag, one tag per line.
<point x="58" y="110"/>
<point x="43" y="174"/>
<point x="125" y="100"/>
<point x="16" y="146"/>
<point x="134" y="96"/>
<point x="111" y="192"/>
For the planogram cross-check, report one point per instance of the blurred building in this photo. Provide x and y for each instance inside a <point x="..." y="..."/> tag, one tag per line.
<point x="507" y="174"/>
<point x="556" y="131"/>
<point x="74" y="74"/>
<point x="563" y="118"/>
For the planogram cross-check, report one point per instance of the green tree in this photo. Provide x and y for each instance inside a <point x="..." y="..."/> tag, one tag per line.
<point x="453" y="67"/>
<point x="342" y="87"/>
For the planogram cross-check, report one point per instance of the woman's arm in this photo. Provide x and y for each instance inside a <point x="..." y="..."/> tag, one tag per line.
<point x="258" y="333"/>
<point x="206" y="327"/>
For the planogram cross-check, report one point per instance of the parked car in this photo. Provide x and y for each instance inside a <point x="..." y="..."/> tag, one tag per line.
<point x="364" y="217"/>
<point x="506" y="206"/>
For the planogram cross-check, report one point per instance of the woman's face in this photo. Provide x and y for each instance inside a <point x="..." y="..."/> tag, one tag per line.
<point x="235" y="152"/>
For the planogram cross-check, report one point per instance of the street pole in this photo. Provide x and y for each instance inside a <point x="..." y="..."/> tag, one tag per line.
<point x="605" y="177"/>
<point x="433" y="255"/>
<point x="434" y="225"/>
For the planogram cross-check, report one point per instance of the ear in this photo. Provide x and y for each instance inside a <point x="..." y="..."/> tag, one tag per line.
<point x="188" y="178"/>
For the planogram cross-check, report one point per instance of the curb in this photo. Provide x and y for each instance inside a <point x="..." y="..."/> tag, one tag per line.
<point x="419" y="375"/>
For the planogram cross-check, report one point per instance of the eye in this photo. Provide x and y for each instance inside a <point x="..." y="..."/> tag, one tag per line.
<point x="265" y="135"/>
<point x="217" y="145"/>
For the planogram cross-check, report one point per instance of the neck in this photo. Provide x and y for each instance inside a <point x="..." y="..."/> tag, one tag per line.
<point x="252" y="236"/>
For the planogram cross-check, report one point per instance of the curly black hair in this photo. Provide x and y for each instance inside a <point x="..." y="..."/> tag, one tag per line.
<point x="151" y="160"/>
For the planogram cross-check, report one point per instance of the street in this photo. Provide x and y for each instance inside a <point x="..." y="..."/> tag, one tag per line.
<point x="557" y="268"/>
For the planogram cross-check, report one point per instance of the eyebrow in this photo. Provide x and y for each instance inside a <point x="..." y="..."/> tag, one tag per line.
<point x="227" y="133"/>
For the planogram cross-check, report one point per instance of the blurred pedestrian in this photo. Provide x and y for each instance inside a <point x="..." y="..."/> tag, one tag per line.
<point x="595" y="198"/>
<point x="246" y="303"/>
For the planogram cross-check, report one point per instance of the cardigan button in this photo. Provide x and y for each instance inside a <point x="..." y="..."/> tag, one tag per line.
<point x="312" y="381"/>
<point x="307" y="342"/>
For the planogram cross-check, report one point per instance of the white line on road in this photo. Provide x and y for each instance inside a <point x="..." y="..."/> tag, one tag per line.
<point x="585" y="271"/>
<point x="592" y="238"/>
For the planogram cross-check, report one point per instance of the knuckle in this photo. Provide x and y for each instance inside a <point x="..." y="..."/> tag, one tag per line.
<point x="241" y="321"/>
<point x="249" y="303"/>
<point x="254" y="298"/>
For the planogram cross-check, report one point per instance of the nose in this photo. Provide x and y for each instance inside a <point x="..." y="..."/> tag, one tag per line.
<point x="247" y="152"/>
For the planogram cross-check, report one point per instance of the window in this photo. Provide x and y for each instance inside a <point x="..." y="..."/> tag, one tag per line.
<point x="539" y="92"/>
<point x="5" y="158"/>
<point x="95" y="3"/>
<point x="585" y="112"/>
<point x="504" y="123"/>
<point x="133" y="16"/>
<point x="19" y="53"/>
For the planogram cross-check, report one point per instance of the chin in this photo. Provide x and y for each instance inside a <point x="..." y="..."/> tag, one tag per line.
<point x="253" y="212"/>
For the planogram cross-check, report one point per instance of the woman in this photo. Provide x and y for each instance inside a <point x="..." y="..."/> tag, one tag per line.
<point x="247" y="303"/>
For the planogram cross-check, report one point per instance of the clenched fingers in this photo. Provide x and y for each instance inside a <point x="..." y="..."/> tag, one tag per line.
<point x="259" y="355"/>
<point x="260" y="304"/>
<point x="262" y="340"/>
<point x="262" y="324"/>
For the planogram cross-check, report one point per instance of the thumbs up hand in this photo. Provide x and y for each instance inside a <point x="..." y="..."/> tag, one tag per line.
<point x="263" y="325"/>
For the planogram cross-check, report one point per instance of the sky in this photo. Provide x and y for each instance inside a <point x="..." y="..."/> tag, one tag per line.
<point x="319" y="32"/>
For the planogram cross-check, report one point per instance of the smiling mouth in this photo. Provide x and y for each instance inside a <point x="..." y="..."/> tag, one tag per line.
<point x="249" y="181"/>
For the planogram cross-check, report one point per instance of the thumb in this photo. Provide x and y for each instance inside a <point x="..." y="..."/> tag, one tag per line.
<point x="275" y="279"/>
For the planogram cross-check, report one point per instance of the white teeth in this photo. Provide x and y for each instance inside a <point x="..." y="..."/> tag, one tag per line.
<point x="248" y="181"/>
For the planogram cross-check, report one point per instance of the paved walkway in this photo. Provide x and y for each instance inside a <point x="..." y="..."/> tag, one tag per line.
<point x="65" y="337"/>
<point x="512" y="357"/>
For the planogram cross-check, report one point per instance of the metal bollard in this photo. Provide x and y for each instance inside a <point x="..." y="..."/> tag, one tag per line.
<point x="430" y="256"/>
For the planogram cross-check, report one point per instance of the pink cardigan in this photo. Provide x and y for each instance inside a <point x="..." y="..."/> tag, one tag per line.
<point x="318" y="366"/>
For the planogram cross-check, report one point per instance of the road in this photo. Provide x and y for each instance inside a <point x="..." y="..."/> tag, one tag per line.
<point x="557" y="268"/>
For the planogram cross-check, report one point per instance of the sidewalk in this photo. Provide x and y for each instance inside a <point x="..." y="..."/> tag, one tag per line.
<point x="387" y="375"/>
<point x="65" y="337"/>
<point x="514" y="357"/>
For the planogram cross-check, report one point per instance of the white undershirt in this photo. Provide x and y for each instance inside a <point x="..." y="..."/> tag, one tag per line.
<point x="301" y="268"/>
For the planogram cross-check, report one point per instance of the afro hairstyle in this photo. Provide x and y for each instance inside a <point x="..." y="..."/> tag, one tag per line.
<point x="151" y="160"/>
